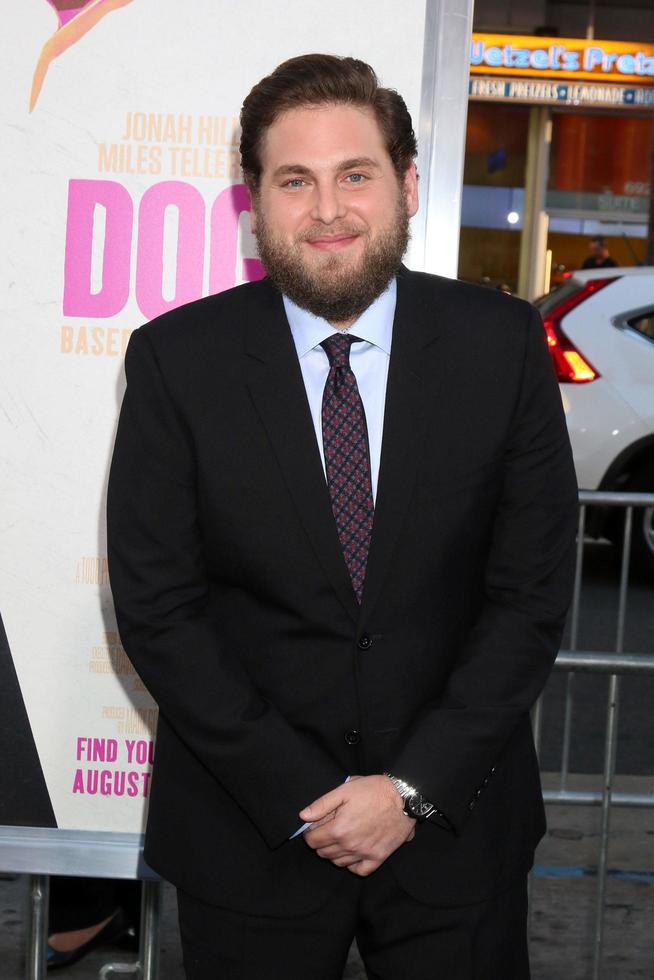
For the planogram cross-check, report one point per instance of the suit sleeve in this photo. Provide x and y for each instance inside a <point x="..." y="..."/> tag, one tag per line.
<point x="160" y="590"/>
<point x="454" y="745"/>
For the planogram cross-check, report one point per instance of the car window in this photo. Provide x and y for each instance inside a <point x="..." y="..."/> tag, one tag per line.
<point x="644" y="325"/>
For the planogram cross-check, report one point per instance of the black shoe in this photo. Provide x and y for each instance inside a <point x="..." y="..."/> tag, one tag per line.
<point x="116" y="931"/>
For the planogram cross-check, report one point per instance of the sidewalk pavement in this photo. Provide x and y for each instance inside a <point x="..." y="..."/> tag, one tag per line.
<point x="563" y="903"/>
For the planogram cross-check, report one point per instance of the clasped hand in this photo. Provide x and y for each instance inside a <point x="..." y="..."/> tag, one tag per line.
<point x="359" y="824"/>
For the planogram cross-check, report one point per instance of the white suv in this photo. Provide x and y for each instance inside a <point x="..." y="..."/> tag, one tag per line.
<point x="600" y="328"/>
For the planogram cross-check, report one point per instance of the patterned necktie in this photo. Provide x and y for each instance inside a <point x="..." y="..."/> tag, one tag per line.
<point x="347" y="459"/>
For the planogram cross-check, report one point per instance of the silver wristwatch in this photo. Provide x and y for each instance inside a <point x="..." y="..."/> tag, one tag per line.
<point x="415" y="804"/>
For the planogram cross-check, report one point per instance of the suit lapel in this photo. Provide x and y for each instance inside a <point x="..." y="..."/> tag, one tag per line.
<point x="277" y="389"/>
<point x="413" y="378"/>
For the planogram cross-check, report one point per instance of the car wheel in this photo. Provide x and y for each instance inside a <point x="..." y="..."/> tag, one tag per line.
<point x="642" y="544"/>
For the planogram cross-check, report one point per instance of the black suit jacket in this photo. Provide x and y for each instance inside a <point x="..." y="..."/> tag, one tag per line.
<point x="235" y="604"/>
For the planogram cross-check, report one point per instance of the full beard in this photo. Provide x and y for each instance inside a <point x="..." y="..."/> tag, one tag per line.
<point x="335" y="288"/>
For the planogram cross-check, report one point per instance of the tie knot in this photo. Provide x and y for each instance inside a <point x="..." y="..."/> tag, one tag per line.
<point x="337" y="348"/>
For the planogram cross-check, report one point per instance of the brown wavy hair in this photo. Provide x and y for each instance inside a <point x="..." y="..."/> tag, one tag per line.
<point x="323" y="79"/>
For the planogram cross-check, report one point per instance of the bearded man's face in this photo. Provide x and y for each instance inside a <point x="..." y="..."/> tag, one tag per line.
<point x="331" y="215"/>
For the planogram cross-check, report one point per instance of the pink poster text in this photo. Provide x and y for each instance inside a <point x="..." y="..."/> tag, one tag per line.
<point x="142" y="223"/>
<point x="136" y="755"/>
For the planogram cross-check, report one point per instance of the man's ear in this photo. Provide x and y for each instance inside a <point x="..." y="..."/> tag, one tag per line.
<point x="410" y="189"/>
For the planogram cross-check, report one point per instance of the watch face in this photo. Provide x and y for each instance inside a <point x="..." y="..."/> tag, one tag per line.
<point x="420" y="807"/>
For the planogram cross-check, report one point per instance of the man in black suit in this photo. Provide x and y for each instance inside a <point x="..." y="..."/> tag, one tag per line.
<point x="341" y="519"/>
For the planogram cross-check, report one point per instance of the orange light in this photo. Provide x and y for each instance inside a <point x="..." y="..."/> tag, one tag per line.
<point x="579" y="368"/>
<point x="569" y="364"/>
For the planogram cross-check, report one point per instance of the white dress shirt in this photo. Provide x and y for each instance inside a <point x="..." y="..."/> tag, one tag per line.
<point x="369" y="362"/>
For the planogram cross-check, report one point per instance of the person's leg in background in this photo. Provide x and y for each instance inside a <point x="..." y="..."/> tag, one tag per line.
<point x="85" y="913"/>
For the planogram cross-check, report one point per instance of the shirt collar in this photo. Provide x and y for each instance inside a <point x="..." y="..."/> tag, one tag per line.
<point x="374" y="325"/>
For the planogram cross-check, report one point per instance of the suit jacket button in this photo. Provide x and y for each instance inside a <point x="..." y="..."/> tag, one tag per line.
<point x="471" y="805"/>
<point x="364" y="642"/>
<point x="352" y="738"/>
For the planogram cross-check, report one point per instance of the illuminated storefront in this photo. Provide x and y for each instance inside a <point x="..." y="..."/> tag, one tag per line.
<point x="558" y="150"/>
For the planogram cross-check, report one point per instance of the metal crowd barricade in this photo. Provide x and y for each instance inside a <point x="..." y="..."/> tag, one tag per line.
<point x="615" y="665"/>
<point x="41" y="852"/>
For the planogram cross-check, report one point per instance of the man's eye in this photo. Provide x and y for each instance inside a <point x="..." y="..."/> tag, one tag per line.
<point x="294" y="182"/>
<point x="356" y="178"/>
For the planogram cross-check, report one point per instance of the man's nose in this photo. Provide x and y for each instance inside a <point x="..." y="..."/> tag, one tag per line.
<point x="328" y="204"/>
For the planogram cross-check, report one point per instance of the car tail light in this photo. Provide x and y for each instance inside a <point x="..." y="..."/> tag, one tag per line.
<point x="569" y="362"/>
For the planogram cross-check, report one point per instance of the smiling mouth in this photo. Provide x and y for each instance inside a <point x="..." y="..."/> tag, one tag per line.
<point x="331" y="243"/>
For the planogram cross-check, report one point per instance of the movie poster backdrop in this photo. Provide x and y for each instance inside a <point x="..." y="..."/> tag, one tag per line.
<point x="121" y="198"/>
